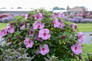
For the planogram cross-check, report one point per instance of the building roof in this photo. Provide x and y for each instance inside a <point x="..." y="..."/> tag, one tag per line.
<point x="57" y="11"/>
<point x="76" y="9"/>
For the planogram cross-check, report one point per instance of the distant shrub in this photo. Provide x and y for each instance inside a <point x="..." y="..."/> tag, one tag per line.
<point x="87" y="20"/>
<point x="14" y="55"/>
<point x="78" y="20"/>
<point x="7" y="19"/>
<point x="0" y="20"/>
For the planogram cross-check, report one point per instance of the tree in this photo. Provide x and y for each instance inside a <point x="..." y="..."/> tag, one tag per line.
<point x="57" y="8"/>
<point x="19" y="7"/>
<point x="68" y="7"/>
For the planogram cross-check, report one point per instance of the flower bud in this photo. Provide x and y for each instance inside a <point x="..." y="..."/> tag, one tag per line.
<point x="80" y="57"/>
<point x="26" y="22"/>
<point x="63" y="37"/>
<point x="11" y="23"/>
<point x="21" y="24"/>
<point x="75" y="27"/>
<point x="8" y="44"/>
<point x="18" y="37"/>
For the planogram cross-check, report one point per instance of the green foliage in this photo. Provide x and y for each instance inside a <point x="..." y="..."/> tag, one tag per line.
<point x="61" y="48"/>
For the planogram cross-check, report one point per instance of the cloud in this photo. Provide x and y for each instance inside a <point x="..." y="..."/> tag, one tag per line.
<point x="45" y="3"/>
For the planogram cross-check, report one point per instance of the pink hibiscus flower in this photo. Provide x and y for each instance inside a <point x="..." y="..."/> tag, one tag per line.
<point x="73" y="26"/>
<point x="44" y="34"/>
<point x="28" y="43"/>
<point x="11" y="29"/>
<point x="56" y="23"/>
<point x="77" y="49"/>
<point x="44" y="50"/>
<point x="56" y="15"/>
<point x="62" y="25"/>
<point x="22" y="27"/>
<point x="81" y="37"/>
<point x="38" y="16"/>
<point x="38" y="25"/>
<point x="3" y="32"/>
<point x="26" y="16"/>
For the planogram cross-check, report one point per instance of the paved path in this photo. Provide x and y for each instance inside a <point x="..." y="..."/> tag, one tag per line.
<point x="87" y="38"/>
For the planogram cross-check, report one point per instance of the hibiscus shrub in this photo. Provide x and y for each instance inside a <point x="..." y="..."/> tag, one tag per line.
<point x="44" y="34"/>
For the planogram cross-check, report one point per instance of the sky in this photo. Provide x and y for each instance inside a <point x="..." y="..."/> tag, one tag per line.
<point x="48" y="4"/>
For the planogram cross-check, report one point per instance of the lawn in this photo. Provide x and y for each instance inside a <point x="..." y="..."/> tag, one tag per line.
<point x="3" y="25"/>
<point x="87" y="48"/>
<point x="84" y="27"/>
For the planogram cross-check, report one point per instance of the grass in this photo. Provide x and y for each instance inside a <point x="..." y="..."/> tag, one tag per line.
<point x="87" y="48"/>
<point x="84" y="27"/>
<point x="3" y="25"/>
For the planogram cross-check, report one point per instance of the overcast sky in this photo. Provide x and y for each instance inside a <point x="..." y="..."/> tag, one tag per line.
<point x="45" y="3"/>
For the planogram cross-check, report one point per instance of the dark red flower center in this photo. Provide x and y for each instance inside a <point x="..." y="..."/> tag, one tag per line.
<point x="61" y="24"/>
<point x="37" y="17"/>
<point x="76" y="48"/>
<point x="44" y="34"/>
<point x="43" y="49"/>
<point x="80" y="36"/>
<point x="38" y="26"/>
<point x="4" y="32"/>
<point x="29" y="42"/>
<point x="31" y="32"/>
<point x="11" y="27"/>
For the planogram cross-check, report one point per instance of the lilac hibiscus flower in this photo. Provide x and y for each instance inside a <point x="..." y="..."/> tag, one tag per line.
<point x="26" y="16"/>
<point x="22" y="27"/>
<point x="28" y="43"/>
<point x="44" y="34"/>
<point x="44" y="50"/>
<point x="11" y="29"/>
<point x="76" y="48"/>
<point x="38" y="16"/>
<point x="38" y="25"/>
<point x="62" y="25"/>
<point x="56" y="23"/>
<point x="81" y="37"/>
<point x="73" y="26"/>
<point x="3" y="32"/>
